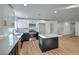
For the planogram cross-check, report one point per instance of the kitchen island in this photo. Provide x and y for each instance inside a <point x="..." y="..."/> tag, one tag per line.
<point x="48" y="42"/>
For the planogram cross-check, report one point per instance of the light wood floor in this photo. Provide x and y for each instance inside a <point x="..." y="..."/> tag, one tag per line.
<point x="67" y="46"/>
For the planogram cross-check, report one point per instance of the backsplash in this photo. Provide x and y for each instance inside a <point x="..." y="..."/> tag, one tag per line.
<point x="22" y="30"/>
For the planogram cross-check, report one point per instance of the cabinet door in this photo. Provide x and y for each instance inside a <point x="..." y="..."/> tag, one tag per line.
<point x="22" y="24"/>
<point x="14" y="51"/>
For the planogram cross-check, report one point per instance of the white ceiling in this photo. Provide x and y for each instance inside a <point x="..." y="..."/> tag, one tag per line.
<point x="46" y="11"/>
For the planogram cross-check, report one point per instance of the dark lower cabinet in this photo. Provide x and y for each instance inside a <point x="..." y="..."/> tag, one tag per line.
<point x="14" y="51"/>
<point x="48" y="43"/>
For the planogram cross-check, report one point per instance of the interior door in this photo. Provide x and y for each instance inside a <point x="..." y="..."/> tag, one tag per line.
<point x="42" y="28"/>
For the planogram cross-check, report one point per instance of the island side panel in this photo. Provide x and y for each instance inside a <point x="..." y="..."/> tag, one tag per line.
<point x="46" y="44"/>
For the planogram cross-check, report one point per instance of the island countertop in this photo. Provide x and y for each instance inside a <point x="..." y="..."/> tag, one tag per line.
<point x="48" y="35"/>
<point x="7" y="43"/>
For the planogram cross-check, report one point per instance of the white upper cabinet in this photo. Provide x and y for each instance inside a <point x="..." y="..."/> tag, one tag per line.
<point x="32" y="21"/>
<point x="22" y="23"/>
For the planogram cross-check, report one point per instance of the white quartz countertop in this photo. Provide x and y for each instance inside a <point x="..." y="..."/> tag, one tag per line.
<point x="7" y="43"/>
<point x="48" y="35"/>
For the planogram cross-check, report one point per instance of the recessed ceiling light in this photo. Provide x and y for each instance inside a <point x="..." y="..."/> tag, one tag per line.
<point x="25" y="4"/>
<point x="55" y="11"/>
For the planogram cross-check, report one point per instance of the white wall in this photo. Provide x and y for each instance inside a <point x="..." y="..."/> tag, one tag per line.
<point x="61" y="28"/>
<point x="76" y="28"/>
<point x="51" y="27"/>
<point x="64" y="28"/>
<point x="55" y="27"/>
<point x="41" y="26"/>
<point x="7" y="18"/>
<point x="47" y="27"/>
